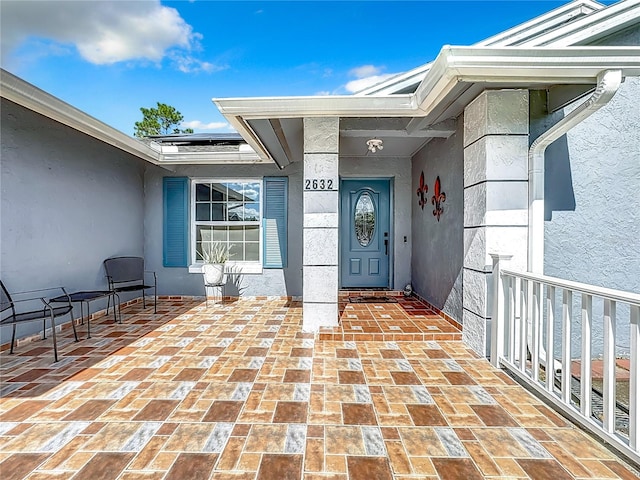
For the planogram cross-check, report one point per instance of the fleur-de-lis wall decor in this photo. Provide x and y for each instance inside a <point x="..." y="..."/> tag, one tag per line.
<point x="438" y="198"/>
<point x="423" y="188"/>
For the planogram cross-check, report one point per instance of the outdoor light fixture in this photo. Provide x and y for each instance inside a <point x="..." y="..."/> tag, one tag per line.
<point x="374" y="144"/>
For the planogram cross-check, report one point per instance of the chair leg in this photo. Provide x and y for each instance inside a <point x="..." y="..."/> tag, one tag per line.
<point x="44" y="328"/>
<point x="108" y="303"/>
<point x="88" y="320"/>
<point x="116" y="296"/>
<point x="73" y="323"/>
<point x="144" y="303"/>
<point x="115" y="316"/>
<point x="155" y="299"/>
<point x="53" y="334"/>
<point x="13" y="338"/>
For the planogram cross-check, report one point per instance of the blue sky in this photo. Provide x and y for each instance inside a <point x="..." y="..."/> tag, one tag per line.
<point x="111" y="58"/>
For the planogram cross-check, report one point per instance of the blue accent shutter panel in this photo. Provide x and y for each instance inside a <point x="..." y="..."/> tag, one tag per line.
<point x="274" y="222"/>
<point x="175" y="252"/>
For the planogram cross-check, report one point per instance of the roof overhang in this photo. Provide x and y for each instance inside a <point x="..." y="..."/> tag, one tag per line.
<point x="455" y="78"/>
<point x="28" y="96"/>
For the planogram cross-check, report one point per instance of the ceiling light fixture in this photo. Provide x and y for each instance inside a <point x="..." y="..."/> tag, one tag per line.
<point x="374" y="144"/>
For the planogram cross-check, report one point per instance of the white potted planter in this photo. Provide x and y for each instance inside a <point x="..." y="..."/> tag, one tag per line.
<point x="215" y="255"/>
<point x="213" y="273"/>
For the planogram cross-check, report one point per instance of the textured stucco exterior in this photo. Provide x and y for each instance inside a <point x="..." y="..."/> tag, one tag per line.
<point x="68" y="201"/>
<point x="592" y="204"/>
<point x="592" y="199"/>
<point x="437" y="252"/>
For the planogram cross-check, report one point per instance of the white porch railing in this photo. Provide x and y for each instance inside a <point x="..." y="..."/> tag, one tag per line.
<point x="527" y="328"/>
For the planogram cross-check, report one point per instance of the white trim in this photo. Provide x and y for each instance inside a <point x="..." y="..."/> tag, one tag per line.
<point x="249" y="265"/>
<point x="514" y="65"/>
<point x="233" y="268"/>
<point x="613" y="18"/>
<point x="29" y="96"/>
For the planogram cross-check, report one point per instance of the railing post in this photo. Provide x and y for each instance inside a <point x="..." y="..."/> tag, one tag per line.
<point x="634" y="383"/>
<point x="609" y="370"/>
<point x="498" y="315"/>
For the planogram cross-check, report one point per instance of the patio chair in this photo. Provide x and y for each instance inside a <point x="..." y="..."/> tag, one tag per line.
<point x="9" y="315"/>
<point x="127" y="274"/>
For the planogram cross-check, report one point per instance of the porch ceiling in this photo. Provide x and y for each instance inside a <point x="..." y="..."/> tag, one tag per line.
<point x="273" y="125"/>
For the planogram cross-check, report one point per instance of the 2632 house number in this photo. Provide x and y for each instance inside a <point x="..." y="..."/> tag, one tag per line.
<point x="318" y="184"/>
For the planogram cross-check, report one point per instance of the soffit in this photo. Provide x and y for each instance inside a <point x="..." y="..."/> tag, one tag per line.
<point x="273" y="125"/>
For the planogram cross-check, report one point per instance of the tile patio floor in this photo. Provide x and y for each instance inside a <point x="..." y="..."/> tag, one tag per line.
<point x="237" y="391"/>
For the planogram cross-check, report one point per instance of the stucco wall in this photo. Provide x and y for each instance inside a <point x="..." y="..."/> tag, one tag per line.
<point x="399" y="170"/>
<point x="592" y="227"/>
<point x="178" y="281"/>
<point x="592" y="199"/>
<point x="67" y="202"/>
<point x="287" y="281"/>
<point x="437" y="253"/>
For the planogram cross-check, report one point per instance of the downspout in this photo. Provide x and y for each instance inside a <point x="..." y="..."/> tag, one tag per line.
<point x="608" y="83"/>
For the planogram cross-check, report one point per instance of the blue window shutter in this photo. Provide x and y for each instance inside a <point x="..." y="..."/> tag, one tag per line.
<point x="274" y="221"/>
<point x="175" y="252"/>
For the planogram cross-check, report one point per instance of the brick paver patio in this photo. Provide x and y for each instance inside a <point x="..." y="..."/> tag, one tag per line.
<point x="237" y="391"/>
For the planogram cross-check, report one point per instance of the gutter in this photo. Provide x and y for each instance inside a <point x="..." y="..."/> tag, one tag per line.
<point x="608" y="83"/>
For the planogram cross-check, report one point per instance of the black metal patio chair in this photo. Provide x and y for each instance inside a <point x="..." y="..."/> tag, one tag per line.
<point x="9" y="315"/>
<point x="127" y="274"/>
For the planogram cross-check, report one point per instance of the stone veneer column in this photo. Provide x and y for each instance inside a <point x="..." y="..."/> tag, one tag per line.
<point x="496" y="143"/>
<point x="320" y="224"/>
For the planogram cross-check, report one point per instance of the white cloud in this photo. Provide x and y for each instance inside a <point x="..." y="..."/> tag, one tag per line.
<point x="103" y="32"/>
<point x="362" y="83"/>
<point x="189" y="64"/>
<point x="366" y="76"/>
<point x="365" y="71"/>
<point x="198" y="125"/>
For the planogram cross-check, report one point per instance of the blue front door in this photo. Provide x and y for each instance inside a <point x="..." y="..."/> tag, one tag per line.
<point x="364" y="232"/>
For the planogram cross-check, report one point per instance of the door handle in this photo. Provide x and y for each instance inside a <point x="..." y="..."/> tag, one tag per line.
<point x="386" y="247"/>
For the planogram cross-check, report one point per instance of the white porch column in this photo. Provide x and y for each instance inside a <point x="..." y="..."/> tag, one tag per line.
<point x="320" y="223"/>
<point x="496" y="142"/>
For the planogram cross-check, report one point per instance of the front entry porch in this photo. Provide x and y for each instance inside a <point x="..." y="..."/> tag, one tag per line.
<point x="238" y="391"/>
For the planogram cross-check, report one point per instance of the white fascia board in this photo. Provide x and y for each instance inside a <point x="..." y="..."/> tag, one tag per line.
<point x="538" y="65"/>
<point x="211" y="158"/>
<point x="314" y="106"/>
<point x="520" y="66"/>
<point x="616" y="17"/>
<point x="31" y="97"/>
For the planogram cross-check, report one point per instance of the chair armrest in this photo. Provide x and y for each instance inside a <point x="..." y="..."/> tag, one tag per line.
<point x="155" y="277"/>
<point x="64" y="294"/>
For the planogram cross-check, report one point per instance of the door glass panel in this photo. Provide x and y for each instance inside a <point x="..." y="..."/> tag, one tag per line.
<point x="365" y="219"/>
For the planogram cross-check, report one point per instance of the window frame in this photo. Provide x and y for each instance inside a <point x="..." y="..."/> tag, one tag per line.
<point x="237" y="266"/>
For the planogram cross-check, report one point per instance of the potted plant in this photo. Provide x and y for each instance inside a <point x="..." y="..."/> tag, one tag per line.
<point x="215" y="255"/>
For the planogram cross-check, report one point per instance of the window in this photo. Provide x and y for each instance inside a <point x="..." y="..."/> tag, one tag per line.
<point x="229" y="212"/>
<point x="250" y="215"/>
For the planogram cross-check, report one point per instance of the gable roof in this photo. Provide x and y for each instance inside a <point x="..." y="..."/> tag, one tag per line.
<point x="574" y="23"/>
<point x="429" y="97"/>
<point x="31" y="97"/>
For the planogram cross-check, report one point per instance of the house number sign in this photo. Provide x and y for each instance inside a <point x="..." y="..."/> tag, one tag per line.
<point x="319" y="184"/>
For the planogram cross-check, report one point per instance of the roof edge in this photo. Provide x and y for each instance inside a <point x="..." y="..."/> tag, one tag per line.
<point x="33" y="98"/>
